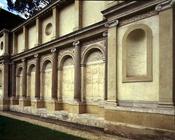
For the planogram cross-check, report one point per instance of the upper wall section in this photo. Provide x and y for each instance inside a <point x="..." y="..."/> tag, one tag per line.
<point x="57" y="20"/>
<point x="4" y="41"/>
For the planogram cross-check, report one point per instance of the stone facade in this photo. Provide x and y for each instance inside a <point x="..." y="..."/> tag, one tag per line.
<point x="105" y="64"/>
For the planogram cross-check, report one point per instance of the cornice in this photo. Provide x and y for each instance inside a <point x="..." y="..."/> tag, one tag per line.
<point x="130" y="8"/>
<point x="165" y="5"/>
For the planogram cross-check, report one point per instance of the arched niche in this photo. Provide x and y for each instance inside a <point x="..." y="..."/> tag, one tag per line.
<point x="19" y="83"/>
<point x="1" y="84"/>
<point x="47" y="80"/>
<point x="137" y="54"/>
<point x="67" y="78"/>
<point x="31" y="82"/>
<point x="94" y="75"/>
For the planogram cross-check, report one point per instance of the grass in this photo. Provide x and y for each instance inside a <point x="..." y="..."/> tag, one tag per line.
<point x="11" y="129"/>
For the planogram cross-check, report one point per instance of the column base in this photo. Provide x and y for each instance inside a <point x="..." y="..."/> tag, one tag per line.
<point x="53" y="105"/>
<point x="75" y="107"/>
<point x="4" y="104"/>
<point x="14" y="101"/>
<point x="37" y="104"/>
<point x="166" y="105"/>
<point x="110" y="103"/>
<point x="24" y="102"/>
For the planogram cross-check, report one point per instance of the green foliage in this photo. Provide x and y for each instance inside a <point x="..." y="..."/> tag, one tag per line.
<point x="11" y="129"/>
<point x="27" y="7"/>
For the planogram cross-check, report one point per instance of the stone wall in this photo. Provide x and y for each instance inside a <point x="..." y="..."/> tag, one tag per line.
<point x="117" y="66"/>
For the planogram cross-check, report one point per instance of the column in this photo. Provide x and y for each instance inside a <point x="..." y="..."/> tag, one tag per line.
<point x="25" y="32"/>
<point x="105" y="35"/>
<point x="14" y="43"/>
<point x="37" y="77"/>
<point x="112" y="62"/>
<point x="54" y="74"/>
<point x="13" y="74"/>
<point x="77" y="76"/>
<point x="4" y="78"/>
<point x="24" y="79"/>
<point x="55" y="22"/>
<point x="78" y="14"/>
<point x="166" y="54"/>
<point x="38" y="31"/>
<point x="83" y="83"/>
<point x="59" y="85"/>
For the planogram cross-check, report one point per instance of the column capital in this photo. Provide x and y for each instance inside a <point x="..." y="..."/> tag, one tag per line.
<point x="36" y="55"/>
<point x="165" y="5"/>
<point x="105" y="34"/>
<point x="54" y="7"/>
<point x="23" y="60"/>
<point x="112" y="23"/>
<point x="12" y="63"/>
<point x="76" y="43"/>
<point x="53" y="50"/>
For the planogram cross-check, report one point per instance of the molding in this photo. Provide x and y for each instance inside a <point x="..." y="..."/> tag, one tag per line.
<point x="63" y="56"/>
<point x="36" y="55"/>
<point x="112" y="23"/>
<point x="165" y="5"/>
<point x="129" y="8"/>
<point x="76" y="43"/>
<point x="53" y="50"/>
<point x="137" y="18"/>
<point x="105" y="34"/>
<point x="148" y="76"/>
<point x="88" y="49"/>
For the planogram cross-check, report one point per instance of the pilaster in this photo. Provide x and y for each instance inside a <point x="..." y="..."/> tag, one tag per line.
<point x="77" y="78"/>
<point x="25" y="32"/>
<point x="37" y="77"/>
<point x="14" y="43"/>
<point x="4" y="101"/>
<point x="24" y="78"/>
<point x="166" y="56"/>
<point x="78" y="14"/>
<point x="13" y="74"/>
<point x="54" y="74"/>
<point x="38" y="32"/>
<point x="112" y="61"/>
<point x="59" y="85"/>
<point x="55" y="22"/>
<point x="83" y="83"/>
<point x="13" y="100"/>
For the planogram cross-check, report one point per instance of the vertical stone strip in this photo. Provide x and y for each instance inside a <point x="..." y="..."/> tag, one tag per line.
<point x="14" y="43"/>
<point x="78" y="14"/>
<point x="83" y="83"/>
<point x="105" y="34"/>
<point x="38" y="31"/>
<point x="55" y="22"/>
<point x="54" y="74"/>
<point x="112" y="62"/>
<point x="77" y="76"/>
<point x="13" y="74"/>
<point x="37" y="77"/>
<point x="166" y="51"/>
<point x="5" y="78"/>
<point x="59" y="85"/>
<point x="24" y="78"/>
<point x="25" y="32"/>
